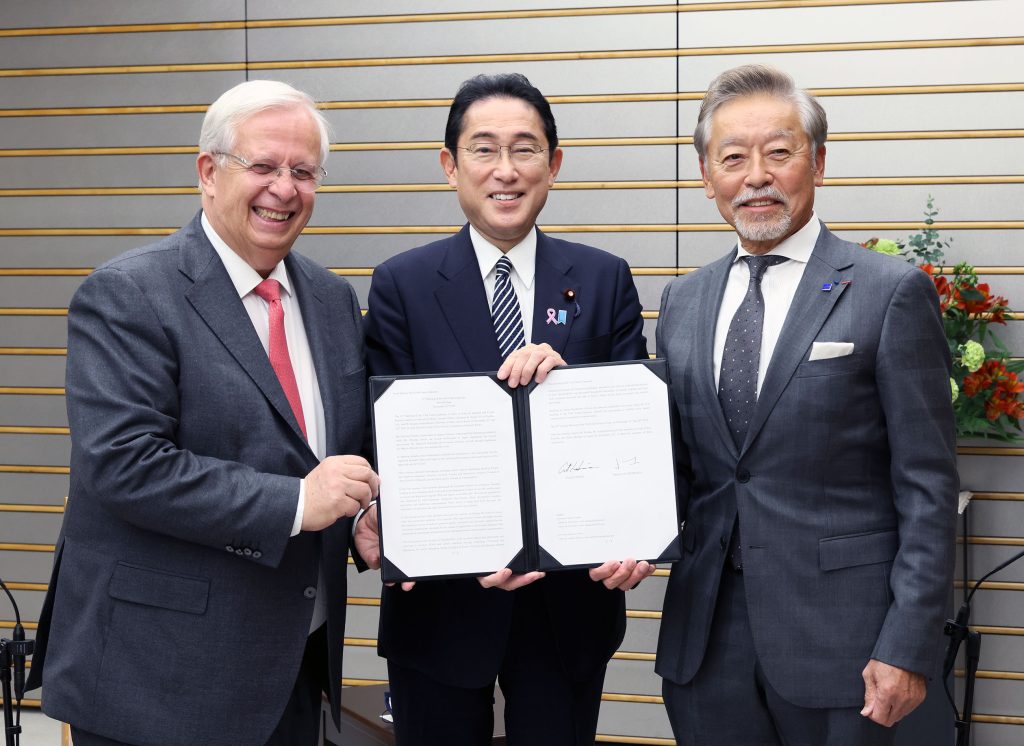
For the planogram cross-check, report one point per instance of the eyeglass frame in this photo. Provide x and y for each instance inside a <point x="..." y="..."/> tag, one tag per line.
<point x="533" y="154"/>
<point x="317" y="181"/>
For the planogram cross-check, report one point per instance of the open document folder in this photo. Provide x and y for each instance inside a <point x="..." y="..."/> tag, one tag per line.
<point x="476" y="476"/>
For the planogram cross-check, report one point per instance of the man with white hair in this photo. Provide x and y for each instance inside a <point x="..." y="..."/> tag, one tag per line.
<point x="818" y="454"/>
<point x="215" y="381"/>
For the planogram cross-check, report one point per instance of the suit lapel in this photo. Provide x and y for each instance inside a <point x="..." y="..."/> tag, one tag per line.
<point x="215" y="299"/>
<point x="552" y="282"/>
<point x="811" y="306"/>
<point x="463" y="300"/>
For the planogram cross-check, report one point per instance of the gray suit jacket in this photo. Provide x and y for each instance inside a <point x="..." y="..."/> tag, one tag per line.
<point x="179" y="607"/>
<point x="846" y="485"/>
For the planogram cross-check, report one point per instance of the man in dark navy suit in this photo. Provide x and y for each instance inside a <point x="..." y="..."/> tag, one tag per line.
<point x="501" y="295"/>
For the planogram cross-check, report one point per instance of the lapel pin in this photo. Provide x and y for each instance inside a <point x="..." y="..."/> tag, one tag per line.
<point x="826" y="287"/>
<point x="846" y="282"/>
<point x="570" y="296"/>
<point x="556" y="317"/>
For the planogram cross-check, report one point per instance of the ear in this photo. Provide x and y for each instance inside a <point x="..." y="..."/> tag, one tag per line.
<point x="206" y="167"/>
<point x="554" y="166"/>
<point x="709" y="189"/>
<point x="819" y="166"/>
<point x="451" y="169"/>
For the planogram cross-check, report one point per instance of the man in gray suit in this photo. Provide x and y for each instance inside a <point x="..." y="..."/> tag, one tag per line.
<point x="811" y="382"/>
<point x="213" y="380"/>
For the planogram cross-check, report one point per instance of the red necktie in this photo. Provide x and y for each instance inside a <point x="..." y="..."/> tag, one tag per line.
<point x="270" y="291"/>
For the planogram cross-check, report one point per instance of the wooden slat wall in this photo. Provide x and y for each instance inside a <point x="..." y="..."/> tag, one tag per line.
<point x="100" y="106"/>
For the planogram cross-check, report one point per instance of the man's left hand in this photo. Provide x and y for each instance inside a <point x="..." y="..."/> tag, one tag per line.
<point x="623" y="575"/>
<point x="530" y="363"/>
<point x="890" y="693"/>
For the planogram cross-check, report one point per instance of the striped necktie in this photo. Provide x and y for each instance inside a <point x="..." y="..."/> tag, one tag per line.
<point x="505" y="313"/>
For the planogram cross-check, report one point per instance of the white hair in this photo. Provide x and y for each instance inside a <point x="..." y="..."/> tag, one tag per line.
<point x="245" y="100"/>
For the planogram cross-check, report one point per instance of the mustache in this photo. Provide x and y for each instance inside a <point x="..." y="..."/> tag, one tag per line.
<point x="768" y="192"/>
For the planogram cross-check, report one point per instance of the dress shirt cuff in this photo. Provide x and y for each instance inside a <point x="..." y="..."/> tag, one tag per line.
<point x="297" y="523"/>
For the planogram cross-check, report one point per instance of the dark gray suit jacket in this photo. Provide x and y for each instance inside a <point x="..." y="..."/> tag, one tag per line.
<point x="846" y="486"/>
<point x="179" y="607"/>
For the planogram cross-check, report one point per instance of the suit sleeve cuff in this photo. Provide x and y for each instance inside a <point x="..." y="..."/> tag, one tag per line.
<point x="297" y="523"/>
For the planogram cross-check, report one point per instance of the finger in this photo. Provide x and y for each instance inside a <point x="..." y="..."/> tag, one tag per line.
<point x="352" y="459"/>
<point x="408" y="585"/>
<point x="546" y="365"/>
<point x="495" y="579"/>
<point x="598" y="574"/>
<point x="641" y="571"/>
<point x="519" y="363"/>
<point x="518" y="581"/>
<point x="621" y="575"/>
<point x="506" y="367"/>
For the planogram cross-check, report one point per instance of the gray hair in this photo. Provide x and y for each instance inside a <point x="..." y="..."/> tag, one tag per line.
<point x="245" y="100"/>
<point x="759" y="80"/>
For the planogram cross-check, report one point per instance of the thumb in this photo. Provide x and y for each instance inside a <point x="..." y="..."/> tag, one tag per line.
<point x="870" y="692"/>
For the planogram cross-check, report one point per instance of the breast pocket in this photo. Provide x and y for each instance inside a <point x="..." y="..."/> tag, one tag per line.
<point x="832" y="366"/>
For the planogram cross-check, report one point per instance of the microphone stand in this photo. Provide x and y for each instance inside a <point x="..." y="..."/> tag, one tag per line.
<point x="958" y="631"/>
<point x="12" y="655"/>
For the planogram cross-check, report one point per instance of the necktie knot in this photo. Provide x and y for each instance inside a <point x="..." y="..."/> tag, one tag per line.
<point x="758" y="265"/>
<point x="269" y="290"/>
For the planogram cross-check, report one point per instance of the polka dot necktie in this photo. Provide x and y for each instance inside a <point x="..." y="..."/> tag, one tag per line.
<point x="508" y="320"/>
<point x="737" y="381"/>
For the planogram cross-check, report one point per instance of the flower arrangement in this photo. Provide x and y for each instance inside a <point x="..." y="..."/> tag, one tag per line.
<point x="986" y="384"/>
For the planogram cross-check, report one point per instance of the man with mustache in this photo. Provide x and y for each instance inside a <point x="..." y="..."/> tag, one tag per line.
<point x="818" y="478"/>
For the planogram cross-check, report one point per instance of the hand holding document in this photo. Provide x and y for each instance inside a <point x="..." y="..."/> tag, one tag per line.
<point x="477" y="477"/>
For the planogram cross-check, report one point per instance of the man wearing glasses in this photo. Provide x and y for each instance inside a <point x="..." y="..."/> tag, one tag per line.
<point x="214" y="379"/>
<point x="501" y="295"/>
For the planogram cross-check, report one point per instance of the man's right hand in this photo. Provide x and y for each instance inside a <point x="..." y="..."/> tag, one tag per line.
<point x="339" y="486"/>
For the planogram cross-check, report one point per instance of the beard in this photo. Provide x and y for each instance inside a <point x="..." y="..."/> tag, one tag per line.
<point x="761" y="228"/>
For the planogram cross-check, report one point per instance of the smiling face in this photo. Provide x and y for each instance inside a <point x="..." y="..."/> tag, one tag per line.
<point x="760" y="171"/>
<point x="260" y="223"/>
<point x="501" y="199"/>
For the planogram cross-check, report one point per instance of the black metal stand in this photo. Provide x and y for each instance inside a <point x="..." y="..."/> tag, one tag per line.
<point x="971" y="656"/>
<point x="11" y="731"/>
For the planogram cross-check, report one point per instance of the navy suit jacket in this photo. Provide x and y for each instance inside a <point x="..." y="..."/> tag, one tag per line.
<point x="428" y="314"/>
<point x="846" y="485"/>
<point x="179" y="607"/>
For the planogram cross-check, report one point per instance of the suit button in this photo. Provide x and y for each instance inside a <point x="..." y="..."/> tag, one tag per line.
<point x="257" y="554"/>
<point x="239" y="552"/>
<point x="310" y="592"/>
<point x="742" y="475"/>
<point x="230" y="548"/>
<point x="722" y="542"/>
<point x="247" y="552"/>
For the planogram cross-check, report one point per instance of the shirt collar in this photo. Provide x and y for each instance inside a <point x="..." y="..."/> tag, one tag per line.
<point x="523" y="255"/>
<point x="797" y="247"/>
<point x="243" y="277"/>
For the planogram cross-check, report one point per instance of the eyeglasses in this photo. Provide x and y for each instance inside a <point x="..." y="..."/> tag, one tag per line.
<point x="523" y="153"/>
<point x="307" y="177"/>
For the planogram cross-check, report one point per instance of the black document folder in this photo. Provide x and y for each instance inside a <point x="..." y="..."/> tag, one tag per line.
<point x="570" y="473"/>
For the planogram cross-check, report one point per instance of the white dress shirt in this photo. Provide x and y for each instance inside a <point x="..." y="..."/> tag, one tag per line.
<point x="524" y="264"/>
<point x="245" y="279"/>
<point x="778" y="286"/>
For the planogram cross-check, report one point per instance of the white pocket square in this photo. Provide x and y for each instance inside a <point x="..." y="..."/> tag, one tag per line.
<point x="826" y="350"/>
